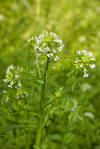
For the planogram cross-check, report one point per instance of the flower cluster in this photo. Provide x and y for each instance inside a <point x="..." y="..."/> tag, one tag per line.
<point x="13" y="80"/>
<point x="84" y="60"/>
<point x="47" y="44"/>
<point x="89" y="114"/>
<point x="12" y="77"/>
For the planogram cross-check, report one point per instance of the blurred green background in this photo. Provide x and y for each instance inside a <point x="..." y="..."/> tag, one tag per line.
<point x="78" y="25"/>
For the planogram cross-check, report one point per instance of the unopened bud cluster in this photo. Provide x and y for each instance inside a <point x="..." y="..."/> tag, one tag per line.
<point x="84" y="61"/>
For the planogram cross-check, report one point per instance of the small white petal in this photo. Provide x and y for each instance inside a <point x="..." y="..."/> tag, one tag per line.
<point x="56" y="58"/>
<point x="79" y="52"/>
<point x="81" y="65"/>
<point x="19" y="84"/>
<point x="38" y="54"/>
<point x="48" y="55"/>
<point x="85" y="75"/>
<point x="84" y="70"/>
<point x="76" y="61"/>
<point x="51" y="54"/>
<point x="89" y="53"/>
<point x="6" y="100"/>
<point x="16" y="76"/>
<point x="89" y="114"/>
<point x="93" y="59"/>
<point x="59" y="41"/>
<point x="92" y="66"/>
<point x="84" y="51"/>
<point x="54" y="51"/>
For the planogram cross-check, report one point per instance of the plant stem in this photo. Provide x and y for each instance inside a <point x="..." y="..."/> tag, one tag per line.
<point x="42" y="105"/>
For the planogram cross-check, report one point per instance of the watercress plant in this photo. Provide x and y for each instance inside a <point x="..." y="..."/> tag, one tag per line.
<point x="47" y="48"/>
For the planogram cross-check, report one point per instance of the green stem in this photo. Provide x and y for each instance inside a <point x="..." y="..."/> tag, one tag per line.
<point x="38" y="68"/>
<point x="42" y="104"/>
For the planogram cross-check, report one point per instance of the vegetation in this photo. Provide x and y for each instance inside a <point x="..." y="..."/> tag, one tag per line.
<point x="49" y="74"/>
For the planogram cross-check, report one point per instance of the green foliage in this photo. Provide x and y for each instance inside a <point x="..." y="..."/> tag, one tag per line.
<point x="71" y="112"/>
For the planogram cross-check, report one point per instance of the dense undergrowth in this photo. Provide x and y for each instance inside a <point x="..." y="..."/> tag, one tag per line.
<point x="63" y="76"/>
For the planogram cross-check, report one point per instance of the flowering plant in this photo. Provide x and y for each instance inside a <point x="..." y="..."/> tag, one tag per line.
<point x="84" y="61"/>
<point x="47" y="45"/>
<point x="13" y="80"/>
<point x="46" y="48"/>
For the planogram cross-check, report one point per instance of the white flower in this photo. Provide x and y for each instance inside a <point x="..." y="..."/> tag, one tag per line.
<point x="93" y="59"/>
<point x="6" y="100"/>
<point x="10" y="86"/>
<point x="16" y="76"/>
<point x="79" y="52"/>
<point x="53" y="34"/>
<point x="89" y="114"/>
<point x="47" y="44"/>
<point x="42" y="63"/>
<point x="81" y="65"/>
<point x="56" y="58"/>
<point x="41" y="50"/>
<point x="36" y="47"/>
<point x="59" y="41"/>
<point x="47" y="49"/>
<point x="76" y="61"/>
<point x="60" y="49"/>
<point x="84" y="57"/>
<point x="85" y="70"/>
<point x="51" y="54"/>
<point x="86" y="86"/>
<point x="37" y="40"/>
<point x="84" y="51"/>
<point x="44" y="44"/>
<point x="54" y="51"/>
<point x="38" y="54"/>
<point x="85" y="75"/>
<point x="41" y="36"/>
<point x="5" y="80"/>
<point x="89" y="53"/>
<point x="19" y="84"/>
<point x="26" y="94"/>
<point x="92" y="66"/>
<point x="48" y="55"/>
<point x="11" y="83"/>
<point x="9" y="68"/>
